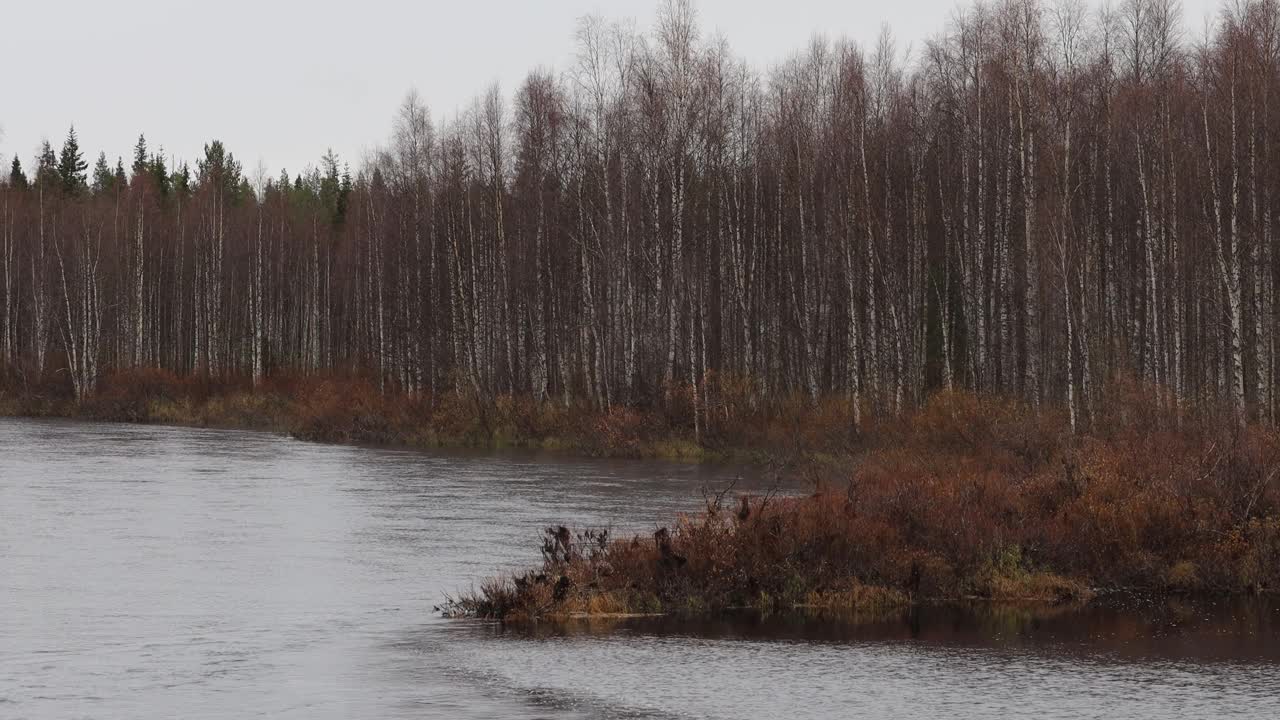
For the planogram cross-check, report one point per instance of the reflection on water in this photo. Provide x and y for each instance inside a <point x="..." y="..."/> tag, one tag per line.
<point x="1117" y="630"/>
<point x="1109" y="630"/>
<point x="1181" y="660"/>
<point x="162" y="572"/>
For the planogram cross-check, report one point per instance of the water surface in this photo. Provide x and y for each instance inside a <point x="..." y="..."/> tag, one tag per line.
<point x="150" y="572"/>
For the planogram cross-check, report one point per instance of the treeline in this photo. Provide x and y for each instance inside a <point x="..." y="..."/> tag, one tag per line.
<point x="1041" y="198"/>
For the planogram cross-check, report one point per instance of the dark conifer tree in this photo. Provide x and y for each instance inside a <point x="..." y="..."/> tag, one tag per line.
<point x="103" y="176"/>
<point x="17" y="178"/>
<point x="140" y="164"/>
<point x="159" y="173"/>
<point x="181" y="181"/>
<point x="47" y="166"/>
<point x="218" y="168"/>
<point x="71" y="165"/>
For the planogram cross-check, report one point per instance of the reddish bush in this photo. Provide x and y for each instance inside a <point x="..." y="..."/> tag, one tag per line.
<point x="618" y="431"/>
<point x="461" y="418"/>
<point x="127" y="395"/>
<point x="347" y="410"/>
<point x="967" y="497"/>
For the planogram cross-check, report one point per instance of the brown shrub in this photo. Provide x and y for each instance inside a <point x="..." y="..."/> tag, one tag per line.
<point x="967" y="497"/>
<point x="459" y="417"/>
<point x="347" y="410"/>
<point x="619" y="430"/>
<point x="521" y="420"/>
<point x="127" y="395"/>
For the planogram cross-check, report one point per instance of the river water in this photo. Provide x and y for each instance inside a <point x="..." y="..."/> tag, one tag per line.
<point x="150" y="572"/>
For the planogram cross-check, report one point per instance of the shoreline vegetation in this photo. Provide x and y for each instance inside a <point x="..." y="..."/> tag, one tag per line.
<point x="967" y="499"/>
<point x="350" y="409"/>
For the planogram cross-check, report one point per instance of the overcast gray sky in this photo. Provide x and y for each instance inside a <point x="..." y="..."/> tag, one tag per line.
<point x="281" y="81"/>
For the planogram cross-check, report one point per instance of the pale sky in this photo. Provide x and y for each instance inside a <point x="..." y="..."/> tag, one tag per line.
<point x="280" y="81"/>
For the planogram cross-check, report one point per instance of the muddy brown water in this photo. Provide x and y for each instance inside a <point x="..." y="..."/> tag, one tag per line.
<point x="150" y="572"/>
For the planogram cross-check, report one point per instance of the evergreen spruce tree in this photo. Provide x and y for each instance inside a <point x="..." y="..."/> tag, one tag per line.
<point x="17" y="178"/>
<point x="344" y="194"/>
<point x="330" y="186"/>
<point x="47" y="166"/>
<point x="140" y="164"/>
<point x="103" y="177"/>
<point x="159" y="173"/>
<point x="218" y="168"/>
<point x="181" y="181"/>
<point x="71" y="165"/>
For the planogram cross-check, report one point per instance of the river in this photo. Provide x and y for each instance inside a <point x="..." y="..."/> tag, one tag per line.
<point x="155" y="572"/>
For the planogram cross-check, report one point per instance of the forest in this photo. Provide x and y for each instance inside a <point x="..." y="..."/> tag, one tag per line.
<point x="1038" y="200"/>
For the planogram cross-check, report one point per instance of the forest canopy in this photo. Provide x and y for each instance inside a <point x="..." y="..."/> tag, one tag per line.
<point x="1039" y="198"/>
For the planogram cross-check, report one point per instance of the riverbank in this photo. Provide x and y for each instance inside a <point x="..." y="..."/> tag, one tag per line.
<point x="967" y="499"/>
<point x="350" y="409"/>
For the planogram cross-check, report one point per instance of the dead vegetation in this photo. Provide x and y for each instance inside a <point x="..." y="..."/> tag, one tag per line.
<point x="967" y="498"/>
<point x="351" y="408"/>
